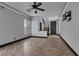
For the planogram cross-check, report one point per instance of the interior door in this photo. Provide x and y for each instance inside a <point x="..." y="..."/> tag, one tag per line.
<point x="53" y="27"/>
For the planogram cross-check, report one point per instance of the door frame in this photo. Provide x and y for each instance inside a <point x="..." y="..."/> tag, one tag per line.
<point x="51" y="27"/>
<point x="57" y="26"/>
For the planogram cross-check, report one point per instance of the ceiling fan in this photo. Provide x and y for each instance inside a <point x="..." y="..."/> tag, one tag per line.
<point x="36" y="7"/>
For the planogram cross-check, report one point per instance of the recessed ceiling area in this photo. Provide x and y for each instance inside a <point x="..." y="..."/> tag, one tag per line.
<point x="52" y="9"/>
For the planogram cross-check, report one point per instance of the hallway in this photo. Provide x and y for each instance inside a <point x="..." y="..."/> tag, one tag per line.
<point x="51" y="46"/>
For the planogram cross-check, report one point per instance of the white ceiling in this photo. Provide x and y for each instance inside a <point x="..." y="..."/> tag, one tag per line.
<point x="52" y="9"/>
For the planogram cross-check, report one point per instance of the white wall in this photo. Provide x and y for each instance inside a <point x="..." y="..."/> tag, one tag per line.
<point x="11" y="25"/>
<point x="35" y="27"/>
<point x="70" y="30"/>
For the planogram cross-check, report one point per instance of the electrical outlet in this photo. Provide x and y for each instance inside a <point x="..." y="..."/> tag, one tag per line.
<point x="14" y="37"/>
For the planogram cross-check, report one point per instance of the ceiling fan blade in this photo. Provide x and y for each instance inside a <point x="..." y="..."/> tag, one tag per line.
<point x="40" y="9"/>
<point x="29" y="9"/>
<point x="39" y="4"/>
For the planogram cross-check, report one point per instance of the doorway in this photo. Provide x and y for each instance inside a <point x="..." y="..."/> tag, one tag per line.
<point x="53" y="27"/>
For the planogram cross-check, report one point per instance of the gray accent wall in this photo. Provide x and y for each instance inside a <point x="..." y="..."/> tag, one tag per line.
<point x="11" y="26"/>
<point x="70" y="30"/>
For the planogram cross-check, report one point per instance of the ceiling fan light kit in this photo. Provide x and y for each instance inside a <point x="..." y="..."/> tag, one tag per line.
<point x="36" y="7"/>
